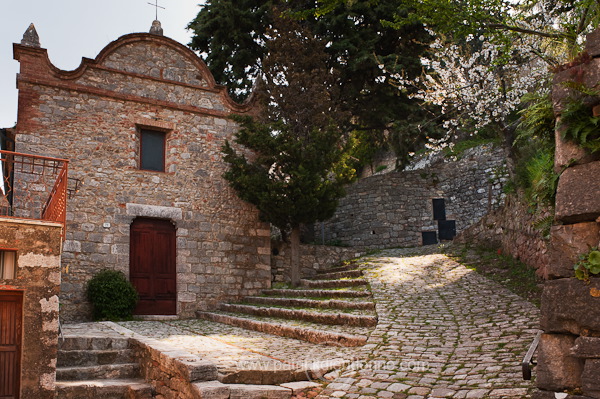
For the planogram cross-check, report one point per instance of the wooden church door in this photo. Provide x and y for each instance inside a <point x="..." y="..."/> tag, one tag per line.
<point x="11" y="314"/>
<point x="152" y="267"/>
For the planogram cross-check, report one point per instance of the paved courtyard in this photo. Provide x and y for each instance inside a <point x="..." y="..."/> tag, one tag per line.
<point x="444" y="332"/>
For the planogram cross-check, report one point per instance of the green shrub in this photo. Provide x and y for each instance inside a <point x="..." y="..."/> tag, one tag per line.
<point x="589" y="264"/>
<point x="580" y="126"/>
<point x="112" y="296"/>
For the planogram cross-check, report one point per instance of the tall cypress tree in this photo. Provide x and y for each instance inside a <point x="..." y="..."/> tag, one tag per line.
<point x="299" y="165"/>
<point x="362" y="50"/>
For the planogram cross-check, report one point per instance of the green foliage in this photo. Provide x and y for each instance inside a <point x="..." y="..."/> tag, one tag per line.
<point x="534" y="152"/>
<point x="380" y="168"/>
<point x="112" y="296"/>
<point x="300" y="163"/>
<point x="541" y="178"/>
<point x="360" y="50"/>
<point x="580" y="126"/>
<point x="537" y="119"/>
<point x="461" y="146"/>
<point x="588" y="265"/>
<point x="231" y="36"/>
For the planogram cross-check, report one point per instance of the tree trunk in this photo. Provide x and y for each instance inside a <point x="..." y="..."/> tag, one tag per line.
<point x="295" y="256"/>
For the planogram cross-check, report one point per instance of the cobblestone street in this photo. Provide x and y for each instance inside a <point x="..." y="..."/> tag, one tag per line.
<point x="444" y="332"/>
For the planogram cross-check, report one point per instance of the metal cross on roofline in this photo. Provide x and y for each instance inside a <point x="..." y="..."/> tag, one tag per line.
<point x="157" y="7"/>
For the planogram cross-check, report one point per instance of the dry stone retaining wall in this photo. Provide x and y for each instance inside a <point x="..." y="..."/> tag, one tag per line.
<point x="512" y="228"/>
<point x="569" y="356"/>
<point x="312" y="259"/>
<point x="393" y="209"/>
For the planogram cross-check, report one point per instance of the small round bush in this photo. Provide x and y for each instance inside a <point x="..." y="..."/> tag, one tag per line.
<point x="112" y="296"/>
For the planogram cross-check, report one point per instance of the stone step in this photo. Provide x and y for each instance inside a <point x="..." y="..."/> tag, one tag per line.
<point x="71" y="358"/>
<point x="218" y="390"/>
<point x="281" y="328"/>
<point x="332" y="283"/>
<point x="343" y="319"/>
<point x="310" y="303"/>
<point x="338" y="275"/>
<point x="106" y="371"/>
<point x="317" y="293"/>
<point x="337" y="269"/>
<point x="92" y="343"/>
<point x="104" y="389"/>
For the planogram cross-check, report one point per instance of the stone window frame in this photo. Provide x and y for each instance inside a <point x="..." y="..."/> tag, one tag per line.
<point x="3" y="272"/>
<point x="152" y="125"/>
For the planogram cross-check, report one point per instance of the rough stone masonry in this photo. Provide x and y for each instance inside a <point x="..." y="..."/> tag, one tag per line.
<point x="569" y="352"/>
<point x="94" y="116"/>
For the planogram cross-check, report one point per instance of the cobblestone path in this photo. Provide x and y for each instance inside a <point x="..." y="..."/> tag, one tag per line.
<point x="444" y="332"/>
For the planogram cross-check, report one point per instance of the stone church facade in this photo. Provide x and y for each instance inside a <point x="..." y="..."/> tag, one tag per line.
<point x="142" y="126"/>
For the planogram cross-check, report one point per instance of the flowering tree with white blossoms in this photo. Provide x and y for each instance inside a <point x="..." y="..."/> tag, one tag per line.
<point x="476" y="85"/>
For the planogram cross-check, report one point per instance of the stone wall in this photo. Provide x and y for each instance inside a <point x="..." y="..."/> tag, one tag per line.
<point x="312" y="259"/>
<point x="393" y="209"/>
<point x="569" y="352"/>
<point x="93" y="117"/>
<point x="37" y="246"/>
<point x="512" y="228"/>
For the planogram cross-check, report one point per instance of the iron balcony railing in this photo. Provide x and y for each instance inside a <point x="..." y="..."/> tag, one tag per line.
<point x="33" y="187"/>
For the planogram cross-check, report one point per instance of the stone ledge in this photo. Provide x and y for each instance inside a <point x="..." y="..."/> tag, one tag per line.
<point x="167" y="366"/>
<point x="571" y="306"/>
<point x="557" y="369"/>
<point x="576" y="200"/>
<point x="567" y="242"/>
<point x="586" y="347"/>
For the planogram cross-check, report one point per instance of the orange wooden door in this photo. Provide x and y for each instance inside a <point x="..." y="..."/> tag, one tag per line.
<point x="11" y="314"/>
<point x="152" y="267"/>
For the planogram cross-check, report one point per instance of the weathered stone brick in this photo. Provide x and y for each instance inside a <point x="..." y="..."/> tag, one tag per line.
<point x="586" y="347"/>
<point x="567" y="242"/>
<point x="557" y="369"/>
<point x="571" y="306"/>
<point x="577" y="200"/>
<point x="590" y="380"/>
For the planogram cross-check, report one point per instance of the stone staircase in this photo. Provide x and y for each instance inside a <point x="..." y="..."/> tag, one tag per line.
<point x="92" y="367"/>
<point x="334" y="308"/>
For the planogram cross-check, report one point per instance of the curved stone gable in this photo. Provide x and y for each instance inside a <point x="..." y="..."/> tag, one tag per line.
<point x="137" y="67"/>
<point x="156" y="57"/>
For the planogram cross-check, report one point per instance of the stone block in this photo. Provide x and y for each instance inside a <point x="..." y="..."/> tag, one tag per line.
<point x="210" y="390"/>
<point x="590" y="379"/>
<point x="587" y="74"/>
<point x="567" y="242"/>
<point x="586" y="347"/>
<point x="592" y="43"/>
<point x="557" y="369"/>
<point x="576" y="199"/>
<point x="242" y="391"/>
<point x="571" y="306"/>
<point x="566" y="153"/>
<point x="300" y="386"/>
<point x="556" y="395"/>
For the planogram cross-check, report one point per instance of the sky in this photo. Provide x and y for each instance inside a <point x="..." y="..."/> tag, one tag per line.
<point x="72" y="29"/>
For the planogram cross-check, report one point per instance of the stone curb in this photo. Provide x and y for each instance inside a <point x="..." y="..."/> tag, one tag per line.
<point x="318" y="293"/>
<point x="305" y="334"/>
<point x="292" y="314"/>
<point x="310" y="303"/>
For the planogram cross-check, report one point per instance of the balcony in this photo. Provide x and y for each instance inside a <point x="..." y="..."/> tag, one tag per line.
<point x="33" y="187"/>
